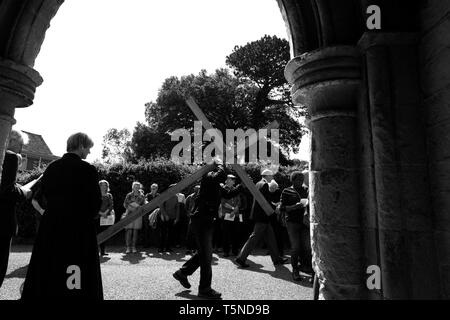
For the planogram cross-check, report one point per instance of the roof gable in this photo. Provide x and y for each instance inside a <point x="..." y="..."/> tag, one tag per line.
<point x="36" y="145"/>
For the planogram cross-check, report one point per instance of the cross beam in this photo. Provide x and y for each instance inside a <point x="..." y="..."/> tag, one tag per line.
<point x="155" y="203"/>
<point x="239" y="171"/>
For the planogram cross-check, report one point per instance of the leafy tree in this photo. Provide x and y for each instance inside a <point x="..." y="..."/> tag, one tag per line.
<point x="148" y="143"/>
<point x="255" y="94"/>
<point x="261" y="63"/>
<point x="116" y="146"/>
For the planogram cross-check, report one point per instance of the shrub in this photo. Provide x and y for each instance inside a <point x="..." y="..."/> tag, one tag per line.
<point x="121" y="175"/>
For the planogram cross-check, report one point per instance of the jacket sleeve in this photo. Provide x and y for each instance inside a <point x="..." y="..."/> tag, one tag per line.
<point x="95" y="195"/>
<point x="126" y="202"/>
<point x="228" y="194"/>
<point x="8" y="186"/>
<point x="219" y="175"/>
<point x="111" y="203"/>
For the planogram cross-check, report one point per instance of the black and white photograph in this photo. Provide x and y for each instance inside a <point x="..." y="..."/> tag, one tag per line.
<point x="224" y="157"/>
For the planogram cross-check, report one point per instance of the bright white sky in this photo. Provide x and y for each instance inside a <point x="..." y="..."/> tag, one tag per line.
<point x="102" y="60"/>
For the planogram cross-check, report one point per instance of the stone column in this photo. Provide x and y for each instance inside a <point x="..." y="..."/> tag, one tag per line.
<point x="328" y="81"/>
<point x="17" y="87"/>
<point x="435" y="88"/>
<point x="397" y="216"/>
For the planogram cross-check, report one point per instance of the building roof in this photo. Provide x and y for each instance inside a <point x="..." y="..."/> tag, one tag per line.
<point x="36" y="146"/>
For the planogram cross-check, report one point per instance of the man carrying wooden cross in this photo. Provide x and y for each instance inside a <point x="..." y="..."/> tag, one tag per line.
<point x="205" y="210"/>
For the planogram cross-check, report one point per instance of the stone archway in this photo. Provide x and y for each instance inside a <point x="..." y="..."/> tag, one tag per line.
<point x="378" y="102"/>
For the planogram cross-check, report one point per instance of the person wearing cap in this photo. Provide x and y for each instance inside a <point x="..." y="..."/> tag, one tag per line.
<point x="262" y="228"/>
<point x="232" y="218"/>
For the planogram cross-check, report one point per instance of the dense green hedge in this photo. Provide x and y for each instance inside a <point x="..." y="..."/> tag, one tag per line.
<point x="121" y="176"/>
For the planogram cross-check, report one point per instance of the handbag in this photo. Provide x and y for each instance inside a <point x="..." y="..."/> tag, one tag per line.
<point x="108" y="220"/>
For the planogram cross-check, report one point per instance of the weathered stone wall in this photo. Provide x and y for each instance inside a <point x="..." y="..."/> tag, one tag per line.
<point x="396" y="200"/>
<point x="435" y="88"/>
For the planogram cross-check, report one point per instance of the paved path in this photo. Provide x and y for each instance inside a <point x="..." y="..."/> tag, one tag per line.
<point x="148" y="276"/>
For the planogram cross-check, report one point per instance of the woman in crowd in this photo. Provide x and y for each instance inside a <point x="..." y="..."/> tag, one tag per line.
<point x="133" y="200"/>
<point x="107" y="209"/>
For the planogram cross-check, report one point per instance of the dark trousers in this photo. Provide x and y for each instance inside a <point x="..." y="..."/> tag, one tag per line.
<point x="5" y="245"/>
<point x="278" y="231"/>
<point x="300" y="245"/>
<point x="190" y="238"/>
<point x="180" y="231"/>
<point x="102" y="245"/>
<point x="231" y="236"/>
<point x="165" y="234"/>
<point x="261" y="231"/>
<point x="202" y="229"/>
<point x="217" y="233"/>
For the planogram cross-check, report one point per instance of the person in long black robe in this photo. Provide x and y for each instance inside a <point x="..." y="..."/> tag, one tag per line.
<point x="65" y="261"/>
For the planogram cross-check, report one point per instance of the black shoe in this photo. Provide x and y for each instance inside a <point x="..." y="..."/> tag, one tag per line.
<point x="182" y="278"/>
<point x="306" y="269"/>
<point x="241" y="263"/>
<point x="209" y="294"/>
<point x="281" y="261"/>
<point x="296" y="276"/>
<point x="188" y="252"/>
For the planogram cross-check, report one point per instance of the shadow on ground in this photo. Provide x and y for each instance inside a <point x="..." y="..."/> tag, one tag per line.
<point x="133" y="258"/>
<point x="281" y="272"/>
<point x="187" y="294"/>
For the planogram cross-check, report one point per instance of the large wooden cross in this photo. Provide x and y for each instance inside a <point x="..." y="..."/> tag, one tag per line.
<point x="156" y="202"/>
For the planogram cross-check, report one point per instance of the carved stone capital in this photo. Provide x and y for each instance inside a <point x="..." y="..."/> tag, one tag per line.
<point x="326" y="80"/>
<point x="18" y="85"/>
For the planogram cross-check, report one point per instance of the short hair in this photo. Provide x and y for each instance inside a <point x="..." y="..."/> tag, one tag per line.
<point x="136" y="183"/>
<point x="154" y="185"/>
<point x="296" y="175"/>
<point x="106" y="183"/>
<point x="78" y="140"/>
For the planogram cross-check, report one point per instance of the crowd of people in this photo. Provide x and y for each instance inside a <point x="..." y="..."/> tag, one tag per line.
<point x="218" y="216"/>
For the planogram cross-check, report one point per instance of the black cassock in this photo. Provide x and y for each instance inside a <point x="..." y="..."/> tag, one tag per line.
<point x="65" y="262"/>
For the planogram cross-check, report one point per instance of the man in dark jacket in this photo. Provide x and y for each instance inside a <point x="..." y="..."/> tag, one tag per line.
<point x="262" y="228"/>
<point x="65" y="260"/>
<point x="10" y="194"/>
<point x="206" y="209"/>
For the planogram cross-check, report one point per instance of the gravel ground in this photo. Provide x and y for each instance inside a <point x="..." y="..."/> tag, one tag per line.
<point x="147" y="275"/>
